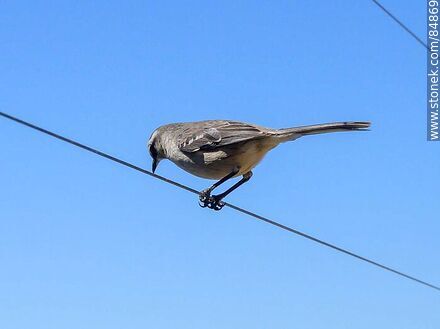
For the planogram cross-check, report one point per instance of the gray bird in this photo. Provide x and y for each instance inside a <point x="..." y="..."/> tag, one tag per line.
<point x="223" y="149"/>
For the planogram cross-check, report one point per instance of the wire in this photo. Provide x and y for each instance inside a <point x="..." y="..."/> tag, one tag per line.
<point x="401" y="24"/>
<point x="239" y="209"/>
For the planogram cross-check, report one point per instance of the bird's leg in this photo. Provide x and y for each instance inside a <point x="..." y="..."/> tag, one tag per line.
<point x="215" y="201"/>
<point x="205" y="195"/>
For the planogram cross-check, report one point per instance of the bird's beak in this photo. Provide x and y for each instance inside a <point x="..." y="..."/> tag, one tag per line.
<point x="154" y="165"/>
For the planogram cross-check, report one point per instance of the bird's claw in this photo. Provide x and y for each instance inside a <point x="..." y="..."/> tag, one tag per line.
<point x="204" y="198"/>
<point x="212" y="202"/>
<point x="216" y="204"/>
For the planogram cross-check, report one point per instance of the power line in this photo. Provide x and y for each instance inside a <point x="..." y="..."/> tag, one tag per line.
<point x="239" y="209"/>
<point x="401" y="24"/>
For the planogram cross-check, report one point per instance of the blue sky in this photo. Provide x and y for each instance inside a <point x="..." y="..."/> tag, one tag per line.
<point x="86" y="243"/>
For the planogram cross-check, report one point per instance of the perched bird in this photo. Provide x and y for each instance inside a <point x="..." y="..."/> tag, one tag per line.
<point x="223" y="149"/>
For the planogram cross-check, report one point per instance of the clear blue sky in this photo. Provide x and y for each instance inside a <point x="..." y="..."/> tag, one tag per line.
<point x="86" y="243"/>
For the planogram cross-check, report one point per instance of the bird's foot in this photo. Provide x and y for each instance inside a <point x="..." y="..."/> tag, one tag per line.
<point x="212" y="202"/>
<point x="204" y="198"/>
<point x="215" y="203"/>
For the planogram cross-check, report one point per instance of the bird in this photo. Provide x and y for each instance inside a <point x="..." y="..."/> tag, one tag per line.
<point x="224" y="149"/>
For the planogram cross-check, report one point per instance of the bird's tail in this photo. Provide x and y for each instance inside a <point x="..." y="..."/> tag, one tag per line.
<point x="288" y="134"/>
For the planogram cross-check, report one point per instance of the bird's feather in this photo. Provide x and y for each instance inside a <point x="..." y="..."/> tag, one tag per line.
<point x="210" y="135"/>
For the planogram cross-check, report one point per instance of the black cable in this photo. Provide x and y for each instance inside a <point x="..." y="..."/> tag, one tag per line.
<point x="105" y="155"/>
<point x="242" y="210"/>
<point x="401" y="24"/>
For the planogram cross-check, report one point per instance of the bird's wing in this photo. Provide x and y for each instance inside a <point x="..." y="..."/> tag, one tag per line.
<point x="210" y="135"/>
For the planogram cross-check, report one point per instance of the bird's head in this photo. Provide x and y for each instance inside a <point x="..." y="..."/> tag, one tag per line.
<point x="155" y="148"/>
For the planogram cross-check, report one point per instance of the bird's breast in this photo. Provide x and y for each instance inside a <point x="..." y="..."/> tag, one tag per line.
<point x="220" y="162"/>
